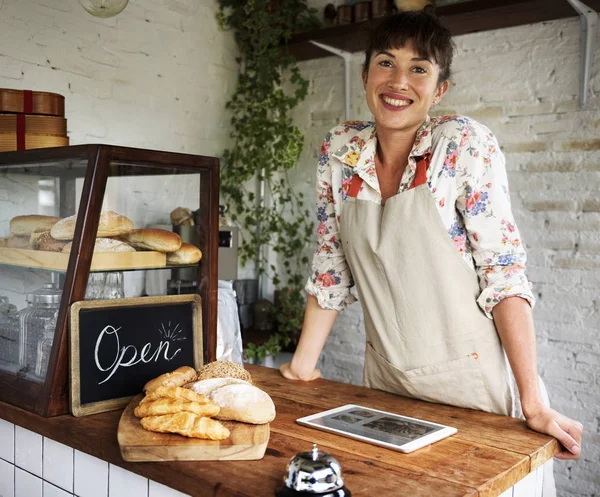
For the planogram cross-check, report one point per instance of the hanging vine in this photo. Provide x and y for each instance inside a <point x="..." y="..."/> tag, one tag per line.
<point x="266" y="145"/>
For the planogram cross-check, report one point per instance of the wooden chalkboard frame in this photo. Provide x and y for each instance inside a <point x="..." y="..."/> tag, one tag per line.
<point x="79" y="409"/>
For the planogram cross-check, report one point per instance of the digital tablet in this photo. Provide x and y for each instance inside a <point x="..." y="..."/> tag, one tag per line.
<point x="387" y="429"/>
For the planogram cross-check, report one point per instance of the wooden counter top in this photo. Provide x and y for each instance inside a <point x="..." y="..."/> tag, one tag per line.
<point x="488" y="454"/>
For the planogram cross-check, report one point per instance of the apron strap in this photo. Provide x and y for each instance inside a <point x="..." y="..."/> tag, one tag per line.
<point x="355" y="184"/>
<point x="420" y="176"/>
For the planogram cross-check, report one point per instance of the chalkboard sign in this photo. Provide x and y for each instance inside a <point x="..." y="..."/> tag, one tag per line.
<point x="118" y="345"/>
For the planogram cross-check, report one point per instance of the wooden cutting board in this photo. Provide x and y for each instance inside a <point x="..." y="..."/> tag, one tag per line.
<point x="246" y="442"/>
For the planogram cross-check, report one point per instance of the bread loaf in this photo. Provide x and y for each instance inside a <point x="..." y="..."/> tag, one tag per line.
<point x="41" y="239"/>
<point x="163" y="405"/>
<point x="110" y="224"/>
<point x="3" y="242"/>
<point x="237" y="400"/>
<point x="187" y="254"/>
<point x="153" y="239"/>
<point x="224" y="369"/>
<point x="187" y="424"/>
<point x="105" y="245"/>
<point x="182" y="216"/>
<point x="176" y="378"/>
<point x="15" y="241"/>
<point x="25" y="225"/>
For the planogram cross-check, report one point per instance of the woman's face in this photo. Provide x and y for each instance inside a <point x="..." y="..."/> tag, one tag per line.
<point x="401" y="87"/>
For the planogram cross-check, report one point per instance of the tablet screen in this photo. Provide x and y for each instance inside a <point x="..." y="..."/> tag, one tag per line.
<point x="379" y="427"/>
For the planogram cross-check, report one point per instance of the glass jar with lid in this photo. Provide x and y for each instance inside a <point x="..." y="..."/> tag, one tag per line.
<point x="9" y="334"/>
<point x="42" y="306"/>
<point x="44" y="347"/>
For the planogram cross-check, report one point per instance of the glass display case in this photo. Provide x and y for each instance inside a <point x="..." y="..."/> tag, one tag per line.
<point x="47" y="261"/>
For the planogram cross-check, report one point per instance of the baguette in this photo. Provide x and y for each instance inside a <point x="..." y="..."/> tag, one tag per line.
<point x="176" y="378"/>
<point x="171" y="406"/>
<point x="186" y="424"/>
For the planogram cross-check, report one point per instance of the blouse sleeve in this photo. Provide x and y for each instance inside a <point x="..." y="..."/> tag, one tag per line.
<point x="484" y="204"/>
<point x="330" y="281"/>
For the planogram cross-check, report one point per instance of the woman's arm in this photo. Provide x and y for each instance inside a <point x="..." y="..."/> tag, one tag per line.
<point x="315" y="330"/>
<point x="514" y="322"/>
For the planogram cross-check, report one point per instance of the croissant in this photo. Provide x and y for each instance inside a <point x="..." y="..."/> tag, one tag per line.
<point x="170" y="406"/>
<point x="187" y="424"/>
<point x="175" y="393"/>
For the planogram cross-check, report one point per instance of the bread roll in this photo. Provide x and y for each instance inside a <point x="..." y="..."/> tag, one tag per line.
<point x="237" y="399"/>
<point x="187" y="254"/>
<point x="41" y="239"/>
<point x="105" y="245"/>
<point x="176" y="378"/>
<point x="187" y="424"/>
<point x="25" y="225"/>
<point x="163" y="405"/>
<point x="3" y="242"/>
<point x="110" y="224"/>
<point x="224" y="369"/>
<point x="14" y="241"/>
<point x="153" y="239"/>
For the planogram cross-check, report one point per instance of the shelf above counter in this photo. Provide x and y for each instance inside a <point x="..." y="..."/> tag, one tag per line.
<point x="104" y="261"/>
<point x="461" y="18"/>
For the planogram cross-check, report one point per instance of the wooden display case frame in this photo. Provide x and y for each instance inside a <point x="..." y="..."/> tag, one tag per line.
<point x="51" y="398"/>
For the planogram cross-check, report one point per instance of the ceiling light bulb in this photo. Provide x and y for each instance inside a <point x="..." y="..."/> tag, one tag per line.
<point x="104" y="8"/>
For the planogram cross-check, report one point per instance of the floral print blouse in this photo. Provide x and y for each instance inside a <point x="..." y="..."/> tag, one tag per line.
<point x="468" y="182"/>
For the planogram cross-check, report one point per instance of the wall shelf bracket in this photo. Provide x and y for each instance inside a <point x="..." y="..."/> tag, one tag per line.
<point x="347" y="56"/>
<point x="588" y="19"/>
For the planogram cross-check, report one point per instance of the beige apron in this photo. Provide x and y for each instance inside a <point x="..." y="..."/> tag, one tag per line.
<point x="427" y="338"/>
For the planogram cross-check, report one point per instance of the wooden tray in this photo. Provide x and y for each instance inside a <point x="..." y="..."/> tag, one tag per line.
<point x="8" y="141"/>
<point x="103" y="261"/>
<point x="246" y="442"/>
<point x="32" y="102"/>
<point x="34" y="125"/>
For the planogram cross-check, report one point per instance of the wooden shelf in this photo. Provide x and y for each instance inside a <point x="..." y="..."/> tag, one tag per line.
<point x="463" y="18"/>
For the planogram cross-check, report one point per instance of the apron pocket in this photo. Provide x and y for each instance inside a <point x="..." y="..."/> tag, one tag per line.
<point x="458" y="382"/>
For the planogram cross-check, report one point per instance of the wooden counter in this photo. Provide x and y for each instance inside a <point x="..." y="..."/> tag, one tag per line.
<point x="488" y="455"/>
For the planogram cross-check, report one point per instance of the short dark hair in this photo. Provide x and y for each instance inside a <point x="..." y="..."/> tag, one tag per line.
<point x="430" y="38"/>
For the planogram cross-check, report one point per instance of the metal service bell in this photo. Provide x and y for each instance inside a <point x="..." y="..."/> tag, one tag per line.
<point x="314" y="473"/>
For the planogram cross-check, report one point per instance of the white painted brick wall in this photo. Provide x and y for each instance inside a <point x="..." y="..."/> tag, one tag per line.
<point x="156" y="76"/>
<point x="523" y="83"/>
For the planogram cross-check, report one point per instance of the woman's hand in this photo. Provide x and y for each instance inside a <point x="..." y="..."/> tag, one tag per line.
<point x="288" y="373"/>
<point x="567" y="431"/>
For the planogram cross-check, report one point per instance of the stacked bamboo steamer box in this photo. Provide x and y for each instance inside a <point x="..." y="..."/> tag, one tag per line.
<point x="31" y="119"/>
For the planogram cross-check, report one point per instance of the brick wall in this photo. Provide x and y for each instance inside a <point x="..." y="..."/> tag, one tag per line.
<point x="156" y="76"/>
<point x="523" y="83"/>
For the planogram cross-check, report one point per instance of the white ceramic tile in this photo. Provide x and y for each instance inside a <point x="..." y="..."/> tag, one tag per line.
<point x="28" y="451"/>
<point x="159" y="490"/>
<point x="91" y="476"/>
<point x="123" y="483"/>
<point x="53" y="491"/>
<point x="7" y="441"/>
<point x="27" y="485"/>
<point x="7" y="479"/>
<point x="58" y="464"/>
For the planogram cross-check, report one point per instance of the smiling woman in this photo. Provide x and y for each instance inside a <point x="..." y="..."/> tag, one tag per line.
<point x="414" y="211"/>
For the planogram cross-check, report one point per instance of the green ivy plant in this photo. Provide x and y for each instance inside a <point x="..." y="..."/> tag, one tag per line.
<point x="265" y="146"/>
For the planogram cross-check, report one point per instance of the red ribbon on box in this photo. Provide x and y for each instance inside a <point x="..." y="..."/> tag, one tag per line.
<point x="27" y="109"/>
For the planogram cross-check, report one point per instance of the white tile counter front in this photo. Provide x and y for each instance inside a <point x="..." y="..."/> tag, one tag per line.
<point x="36" y="466"/>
